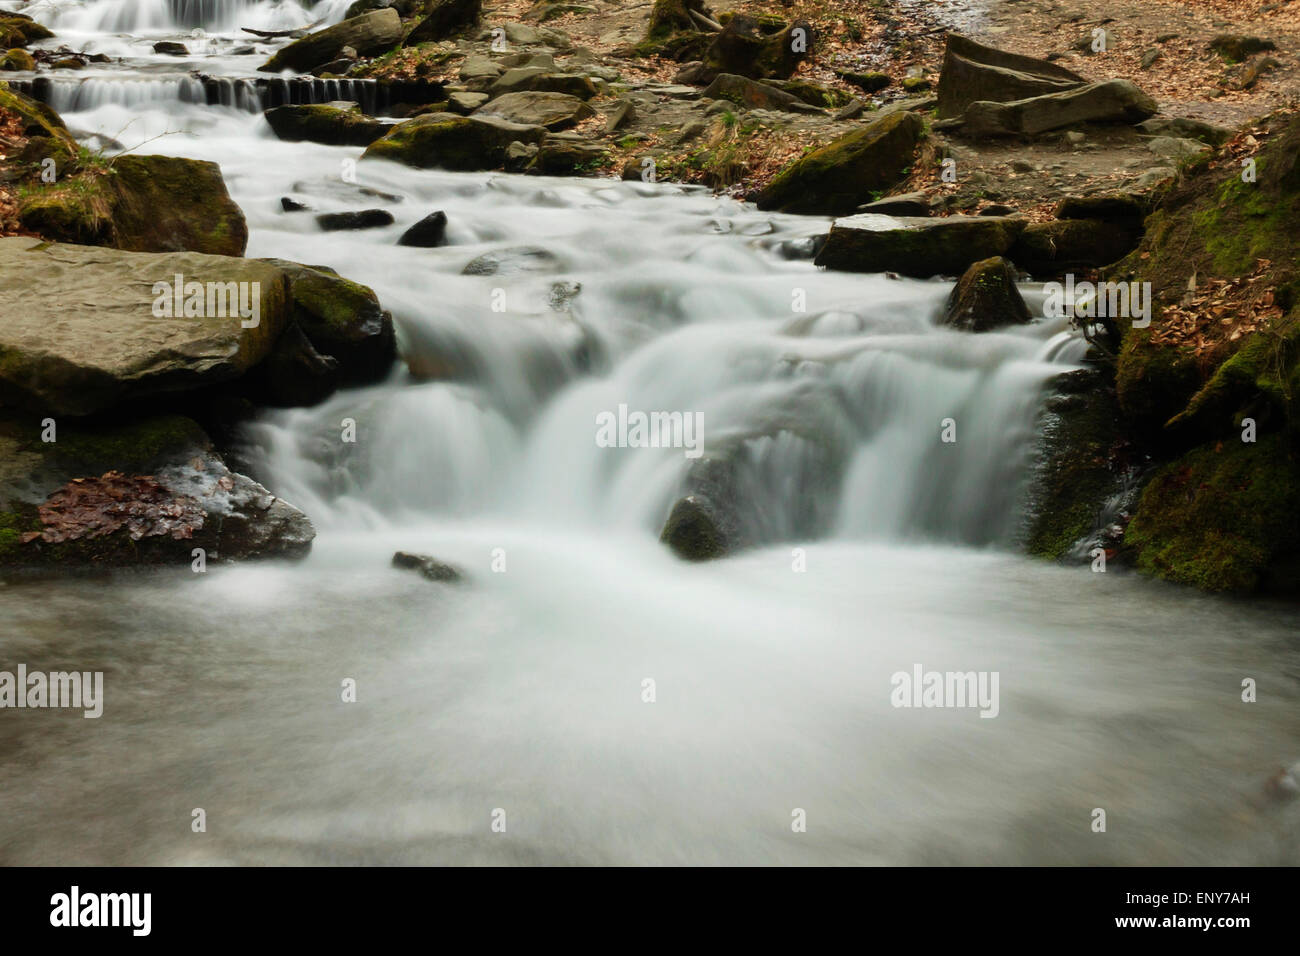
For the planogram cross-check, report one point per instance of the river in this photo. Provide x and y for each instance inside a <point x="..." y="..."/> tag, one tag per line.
<point x="521" y="694"/>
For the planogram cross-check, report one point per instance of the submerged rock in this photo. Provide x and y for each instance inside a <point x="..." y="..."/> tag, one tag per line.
<point x="354" y="219"/>
<point x="430" y="567"/>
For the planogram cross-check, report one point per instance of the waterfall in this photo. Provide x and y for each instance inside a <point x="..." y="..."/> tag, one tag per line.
<point x="151" y="16"/>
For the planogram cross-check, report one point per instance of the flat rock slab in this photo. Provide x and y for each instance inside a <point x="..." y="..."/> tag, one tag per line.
<point x="915" y="246"/>
<point x="78" y="333"/>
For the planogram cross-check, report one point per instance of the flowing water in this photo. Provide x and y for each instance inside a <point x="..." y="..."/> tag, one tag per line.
<point x="877" y="547"/>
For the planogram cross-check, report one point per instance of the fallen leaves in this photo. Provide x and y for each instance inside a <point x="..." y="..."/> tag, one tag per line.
<point x="1220" y="311"/>
<point x="97" y="507"/>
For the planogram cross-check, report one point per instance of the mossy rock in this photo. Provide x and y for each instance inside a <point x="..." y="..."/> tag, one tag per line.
<point x="814" y="94"/>
<point x="1154" y="382"/>
<point x="447" y="141"/>
<point x="681" y="47"/>
<point x="322" y="123"/>
<point x="17" y="30"/>
<point x="1054" y="248"/>
<point x="140" y="204"/>
<point x="842" y="175"/>
<point x="986" y="298"/>
<point x="18" y="60"/>
<point x="1219" y="517"/>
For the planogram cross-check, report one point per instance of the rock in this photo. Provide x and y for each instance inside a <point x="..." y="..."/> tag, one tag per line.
<point x="997" y="209"/>
<point x="518" y="156"/>
<point x="986" y="298"/>
<point x="64" y="361"/>
<point x="754" y="95"/>
<point x="554" y="111"/>
<point x="328" y="124"/>
<point x="1116" y="207"/>
<point x="292" y="205"/>
<point x="428" y="232"/>
<point x="563" y="158"/>
<point x="1113" y="101"/>
<point x="369" y="34"/>
<point x="743" y="48"/>
<point x="1149" y="59"/>
<point x="445" y="18"/>
<point x="906" y="204"/>
<point x="342" y="320"/>
<point x="17" y="30"/>
<point x="169" y="48"/>
<point x="916" y="246"/>
<point x="973" y="72"/>
<point x="521" y="260"/>
<point x="814" y="94"/>
<point x="693" y="532"/>
<point x="867" y="82"/>
<point x="851" y="110"/>
<point x="842" y="175"/>
<point x="430" y="567"/>
<point x="147" y="492"/>
<point x="914" y="104"/>
<point x="466" y="103"/>
<point x="693" y="72"/>
<point x="295" y="374"/>
<point x="148" y="204"/>
<point x="1235" y="47"/>
<point x="624" y="112"/>
<point x="475" y="67"/>
<point x="1250" y="73"/>
<point x="362" y="219"/>
<point x="365" y="6"/>
<point x="448" y="141"/>
<point x="538" y="79"/>
<point x="1071" y="245"/>
<point x="68" y="63"/>
<point x="1169" y="147"/>
<point x="1155" y="176"/>
<point x="18" y="60"/>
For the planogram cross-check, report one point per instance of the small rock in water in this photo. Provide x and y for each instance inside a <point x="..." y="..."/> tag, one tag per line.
<point x="292" y="205"/>
<point x="428" y="232"/>
<point x="170" y="48"/>
<point x="430" y="567"/>
<point x="365" y="219"/>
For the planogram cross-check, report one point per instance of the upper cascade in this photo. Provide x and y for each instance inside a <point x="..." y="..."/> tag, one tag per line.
<point x="115" y="16"/>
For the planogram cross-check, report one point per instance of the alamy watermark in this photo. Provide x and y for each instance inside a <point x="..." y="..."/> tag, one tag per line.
<point x="1099" y="300"/>
<point x="947" y="689"/>
<point x="624" y="429"/>
<point x="35" y="689"/>
<point x="208" y="300"/>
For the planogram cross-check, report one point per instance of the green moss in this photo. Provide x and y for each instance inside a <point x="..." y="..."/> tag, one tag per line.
<point x="127" y="448"/>
<point x="1154" y="382"/>
<point x="1217" y="517"/>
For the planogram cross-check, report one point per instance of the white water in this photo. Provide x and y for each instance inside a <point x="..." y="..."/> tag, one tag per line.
<point x="522" y="689"/>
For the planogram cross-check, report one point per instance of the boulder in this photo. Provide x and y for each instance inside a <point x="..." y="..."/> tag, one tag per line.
<point x="842" y="175"/>
<point x="555" y="111"/>
<point x="449" y="141"/>
<point x="539" y="79"/>
<point x="294" y="375"/>
<point x="754" y="95"/>
<point x="1119" y="207"/>
<point x="17" y="60"/>
<point x="905" y="204"/>
<point x="558" y="157"/>
<point x="1112" y="101"/>
<point x="1068" y="245"/>
<point x="915" y="246"/>
<point x="986" y="298"/>
<point x="465" y="102"/>
<point x="973" y="72"/>
<point x="18" y="30"/>
<point x="428" y="232"/>
<point x="325" y="123"/>
<point x="1235" y="47"/>
<point x="149" y="491"/>
<point x="369" y="34"/>
<point x="693" y="531"/>
<point x="445" y="18"/>
<point x="146" y="204"/>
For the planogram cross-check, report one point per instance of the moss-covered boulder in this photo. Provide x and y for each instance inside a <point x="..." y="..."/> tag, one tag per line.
<point x="369" y="34"/>
<point x="693" y="530"/>
<point x="147" y="491"/>
<point x="986" y="298"/>
<point x="140" y="204"/>
<point x="844" y="174"/>
<point x="1054" y="248"/>
<point x="325" y="123"/>
<point x="1223" y="517"/>
<point x="18" y="30"/>
<point x="448" y="141"/>
<point x="753" y="95"/>
<point x="16" y="60"/>
<point x="920" y="247"/>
